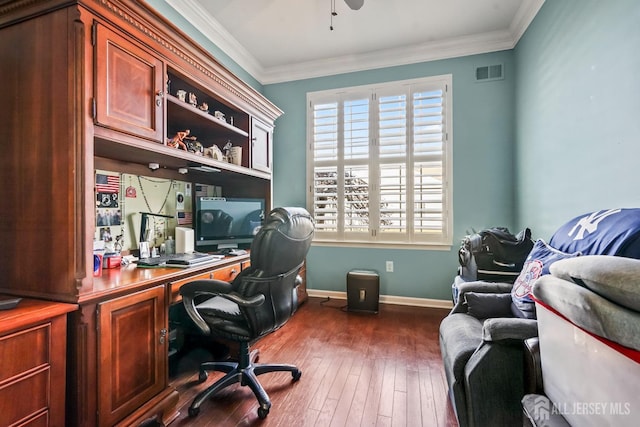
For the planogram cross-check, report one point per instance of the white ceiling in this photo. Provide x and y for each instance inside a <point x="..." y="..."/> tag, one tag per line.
<point x="283" y="40"/>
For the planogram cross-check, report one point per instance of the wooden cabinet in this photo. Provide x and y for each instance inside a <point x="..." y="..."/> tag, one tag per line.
<point x="132" y="349"/>
<point x="261" y="135"/>
<point x="92" y="83"/>
<point x="32" y="375"/>
<point x="130" y="89"/>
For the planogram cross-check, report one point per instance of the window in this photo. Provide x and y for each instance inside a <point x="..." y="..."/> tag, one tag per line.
<point x="379" y="163"/>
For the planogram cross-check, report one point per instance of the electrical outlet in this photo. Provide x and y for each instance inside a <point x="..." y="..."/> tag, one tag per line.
<point x="390" y="266"/>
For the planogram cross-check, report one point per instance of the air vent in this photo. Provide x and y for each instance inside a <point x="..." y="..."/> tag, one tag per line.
<point x="489" y="73"/>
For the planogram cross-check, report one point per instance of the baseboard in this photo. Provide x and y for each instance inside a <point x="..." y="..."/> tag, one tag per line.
<point x="387" y="299"/>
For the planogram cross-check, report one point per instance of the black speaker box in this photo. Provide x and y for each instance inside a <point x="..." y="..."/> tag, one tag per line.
<point x="363" y="291"/>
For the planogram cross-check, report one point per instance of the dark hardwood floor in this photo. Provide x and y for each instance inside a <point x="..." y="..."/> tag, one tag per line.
<point x="357" y="370"/>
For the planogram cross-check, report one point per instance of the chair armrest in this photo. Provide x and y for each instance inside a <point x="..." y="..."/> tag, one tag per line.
<point x="253" y="301"/>
<point x="505" y="328"/>
<point x="478" y="287"/>
<point x="205" y="287"/>
<point x="191" y="290"/>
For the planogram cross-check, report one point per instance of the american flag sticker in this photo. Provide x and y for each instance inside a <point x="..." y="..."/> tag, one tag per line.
<point x="184" y="218"/>
<point x="107" y="183"/>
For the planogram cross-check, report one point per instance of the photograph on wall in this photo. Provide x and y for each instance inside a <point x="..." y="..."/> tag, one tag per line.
<point x="109" y="219"/>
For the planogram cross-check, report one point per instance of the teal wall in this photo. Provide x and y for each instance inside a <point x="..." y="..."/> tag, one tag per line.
<point x="483" y="140"/>
<point x="556" y="138"/>
<point x="578" y="111"/>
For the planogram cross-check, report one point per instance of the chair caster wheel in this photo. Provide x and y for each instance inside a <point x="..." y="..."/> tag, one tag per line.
<point x="263" y="412"/>
<point x="193" y="412"/>
<point x="296" y="375"/>
<point x="202" y="377"/>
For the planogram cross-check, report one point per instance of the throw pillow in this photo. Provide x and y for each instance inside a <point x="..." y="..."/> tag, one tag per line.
<point x="614" y="278"/>
<point x="537" y="264"/>
<point x="604" y="232"/>
<point x="487" y="305"/>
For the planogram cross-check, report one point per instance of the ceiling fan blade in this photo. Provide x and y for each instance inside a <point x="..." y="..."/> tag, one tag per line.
<point x="354" y="4"/>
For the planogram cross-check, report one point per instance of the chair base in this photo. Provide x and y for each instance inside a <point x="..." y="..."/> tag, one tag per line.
<point x="245" y="372"/>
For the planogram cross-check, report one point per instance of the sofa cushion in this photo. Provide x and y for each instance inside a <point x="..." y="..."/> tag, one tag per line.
<point x="615" y="278"/>
<point x="536" y="265"/>
<point x="589" y="311"/>
<point x="485" y="305"/>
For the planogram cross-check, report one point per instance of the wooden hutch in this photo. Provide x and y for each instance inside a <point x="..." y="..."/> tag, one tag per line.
<point x="88" y="85"/>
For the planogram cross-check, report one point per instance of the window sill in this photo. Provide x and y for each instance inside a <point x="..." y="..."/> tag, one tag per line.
<point x="385" y="245"/>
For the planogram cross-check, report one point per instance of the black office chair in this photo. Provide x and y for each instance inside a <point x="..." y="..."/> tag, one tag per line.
<point x="259" y="301"/>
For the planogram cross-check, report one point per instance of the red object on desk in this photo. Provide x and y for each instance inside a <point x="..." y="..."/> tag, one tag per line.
<point x="112" y="261"/>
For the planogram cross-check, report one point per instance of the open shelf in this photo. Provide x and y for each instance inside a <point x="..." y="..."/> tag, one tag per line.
<point x="202" y="124"/>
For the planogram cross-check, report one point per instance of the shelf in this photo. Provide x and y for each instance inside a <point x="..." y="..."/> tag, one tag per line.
<point x="202" y="124"/>
<point x="143" y="152"/>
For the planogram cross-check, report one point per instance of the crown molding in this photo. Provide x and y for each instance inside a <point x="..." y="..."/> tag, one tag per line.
<point x="525" y="15"/>
<point x="431" y="51"/>
<point x="218" y="35"/>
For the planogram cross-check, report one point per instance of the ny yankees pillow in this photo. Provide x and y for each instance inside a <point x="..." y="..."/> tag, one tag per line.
<point x="605" y="232"/>
<point x="537" y="264"/>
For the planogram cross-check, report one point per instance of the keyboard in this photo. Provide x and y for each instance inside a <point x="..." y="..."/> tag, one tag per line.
<point x="232" y="252"/>
<point x="177" y="260"/>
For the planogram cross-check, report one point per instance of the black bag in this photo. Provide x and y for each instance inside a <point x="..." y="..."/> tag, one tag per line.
<point x="494" y="254"/>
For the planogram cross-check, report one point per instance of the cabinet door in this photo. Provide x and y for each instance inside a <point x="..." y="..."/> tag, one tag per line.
<point x="129" y="86"/>
<point x="261" y="145"/>
<point x="132" y="353"/>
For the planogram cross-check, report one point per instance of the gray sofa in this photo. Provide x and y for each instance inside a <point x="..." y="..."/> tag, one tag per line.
<point x="482" y="339"/>
<point x="483" y="357"/>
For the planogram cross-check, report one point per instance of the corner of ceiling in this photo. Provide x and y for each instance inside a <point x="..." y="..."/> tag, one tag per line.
<point x="523" y="18"/>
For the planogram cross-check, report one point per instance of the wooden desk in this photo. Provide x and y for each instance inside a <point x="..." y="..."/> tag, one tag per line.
<point x="119" y="344"/>
<point x="33" y="339"/>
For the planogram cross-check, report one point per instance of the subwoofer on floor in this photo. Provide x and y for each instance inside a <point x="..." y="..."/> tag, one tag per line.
<point x="363" y="291"/>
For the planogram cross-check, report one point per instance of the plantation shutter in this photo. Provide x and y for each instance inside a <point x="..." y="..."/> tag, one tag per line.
<point x="378" y="164"/>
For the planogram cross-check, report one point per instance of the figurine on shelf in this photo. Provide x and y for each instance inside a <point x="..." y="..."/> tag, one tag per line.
<point x="214" y="153"/>
<point x="182" y="95"/>
<point x="204" y="107"/>
<point x="195" y="147"/>
<point x="193" y="100"/>
<point x="219" y="115"/>
<point x="227" y="151"/>
<point x="178" y="141"/>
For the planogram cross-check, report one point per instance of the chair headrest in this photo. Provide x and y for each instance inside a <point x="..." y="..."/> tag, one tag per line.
<point x="283" y="241"/>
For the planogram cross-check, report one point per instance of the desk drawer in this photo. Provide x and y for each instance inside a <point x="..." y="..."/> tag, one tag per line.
<point x="23" y="351"/>
<point x="24" y="397"/>
<point x="227" y="274"/>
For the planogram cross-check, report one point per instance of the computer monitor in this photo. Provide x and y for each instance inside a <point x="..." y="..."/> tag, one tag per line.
<point x="227" y="222"/>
